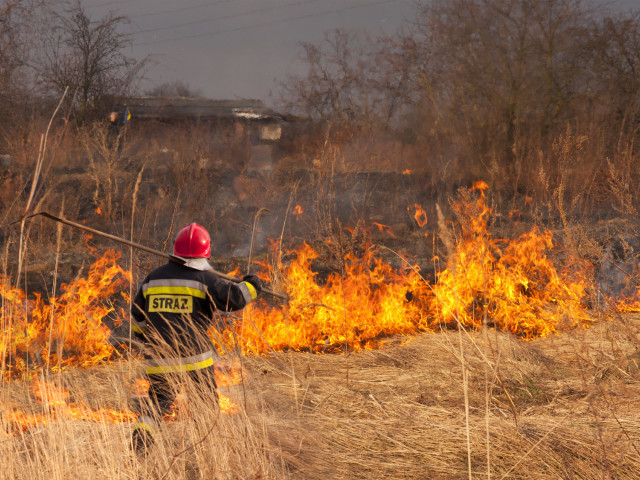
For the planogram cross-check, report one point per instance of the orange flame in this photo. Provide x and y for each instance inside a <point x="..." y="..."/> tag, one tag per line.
<point x="235" y="272"/>
<point x="629" y="304"/>
<point x="229" y="375"/>
<point x="357" y="309"/>
<point x="56" y="405"/>
<point x="420" y="215"/>
<point x="139" y="387"/>
<point x="179" y="409"/>
<point x="297" y="210"/>
<point x="406" y="172"/>
<point x="384" y="228"/>
<point x="227" y="405"/>
<point x="513" y="286"/>
<point x="67" y="330"/>
<point x="226" y="376"/>
<point x="480" y="185"/>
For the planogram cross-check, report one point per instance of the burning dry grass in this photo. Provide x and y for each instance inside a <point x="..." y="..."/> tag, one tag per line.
<point x="67" y="330"/>
<point x="470" y="403"/>
<point x="200" y="441"/>
<point x="561" y="407"/>
<point x="526" y="286"/>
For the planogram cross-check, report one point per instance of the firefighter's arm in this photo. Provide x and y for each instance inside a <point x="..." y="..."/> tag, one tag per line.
<point x="229" y="296"/>
<point x="253" y="284"/>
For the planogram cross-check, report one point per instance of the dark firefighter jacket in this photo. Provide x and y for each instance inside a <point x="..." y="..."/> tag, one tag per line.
<point x="173" y="309"/>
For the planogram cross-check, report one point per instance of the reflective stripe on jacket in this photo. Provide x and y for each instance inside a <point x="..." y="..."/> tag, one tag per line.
<point x="145" y="423"/>
<point x="184" y="364"/>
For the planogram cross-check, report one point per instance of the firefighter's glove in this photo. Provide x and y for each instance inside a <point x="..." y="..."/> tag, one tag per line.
<point x="254" y="281"/>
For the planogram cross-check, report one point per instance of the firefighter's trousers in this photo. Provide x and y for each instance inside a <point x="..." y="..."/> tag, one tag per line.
<point x="162" y="394"/>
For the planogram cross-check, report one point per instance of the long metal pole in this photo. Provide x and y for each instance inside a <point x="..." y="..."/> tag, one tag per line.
<point x="142" y="247"/>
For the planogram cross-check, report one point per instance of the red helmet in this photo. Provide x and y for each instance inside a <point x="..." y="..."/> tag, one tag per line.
<point x="192" y="241"/>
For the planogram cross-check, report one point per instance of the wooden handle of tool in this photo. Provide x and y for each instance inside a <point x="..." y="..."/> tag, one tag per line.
<point x="144" y="248"/>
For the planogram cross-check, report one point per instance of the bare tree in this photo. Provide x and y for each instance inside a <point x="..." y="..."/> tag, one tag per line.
<point x="16" y="45"/>
<point x="504" y="70"/>
<point x="17" y="83"/>
<point x="353" y="81"/>
<point x="616" y="64"/>
<point x="88" y="56"/>
<point x="10" y="41"/>
<point x="488" y="81"/>
<point x="325" y="91"/>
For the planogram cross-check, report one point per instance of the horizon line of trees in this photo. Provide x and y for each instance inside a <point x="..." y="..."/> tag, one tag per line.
<point x="496" y="83"/>
<point x="491" y="79"/>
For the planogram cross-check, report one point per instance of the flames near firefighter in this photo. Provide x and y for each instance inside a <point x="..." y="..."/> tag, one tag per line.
<point x="57" y="404"/>
<point x="67" y="330"/>
<point x="512" y="285"/>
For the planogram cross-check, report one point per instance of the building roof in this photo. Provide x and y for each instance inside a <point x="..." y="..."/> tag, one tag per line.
<point x="183" y="107"/>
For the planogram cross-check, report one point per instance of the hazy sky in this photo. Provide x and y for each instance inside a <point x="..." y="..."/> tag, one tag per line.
<point x="240" y="48"/>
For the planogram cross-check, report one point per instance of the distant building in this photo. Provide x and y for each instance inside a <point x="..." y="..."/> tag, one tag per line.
<point x="249" y="121"/>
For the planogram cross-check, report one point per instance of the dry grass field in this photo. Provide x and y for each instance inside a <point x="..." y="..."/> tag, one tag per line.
<point x="456" y="229"/>
<point x="373" y="372"/>
<point x="447" y="405"/>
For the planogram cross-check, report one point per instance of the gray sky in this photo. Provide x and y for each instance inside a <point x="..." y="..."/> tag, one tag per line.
<point x="240" y="48"/>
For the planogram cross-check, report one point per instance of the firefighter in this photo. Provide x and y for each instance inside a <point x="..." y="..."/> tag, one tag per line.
<point x="114" y="142"/>
<point x="172" y="311"/>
